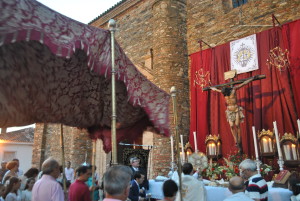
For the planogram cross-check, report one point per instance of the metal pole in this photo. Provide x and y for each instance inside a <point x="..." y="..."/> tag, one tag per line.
<point x="173" y="94"/>
<point x="112" y="28"/>
<point x="63" y="156"/>
<point x="93" y="168"/>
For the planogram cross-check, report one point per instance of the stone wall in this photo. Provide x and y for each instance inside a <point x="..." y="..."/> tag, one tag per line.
<point x="47" y="143"/>
<point x="217" y="22"/>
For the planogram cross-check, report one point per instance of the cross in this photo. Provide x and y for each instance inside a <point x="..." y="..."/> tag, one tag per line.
<point x="232" y="82"/>
<point x="233" y="112"/>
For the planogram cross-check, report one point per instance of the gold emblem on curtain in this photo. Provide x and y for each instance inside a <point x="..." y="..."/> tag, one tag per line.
<point x="278" y="59"/>
<point x="201" y="78"/>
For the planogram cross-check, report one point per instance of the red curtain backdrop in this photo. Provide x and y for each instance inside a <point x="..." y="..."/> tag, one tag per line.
<point x="275" y="98"/>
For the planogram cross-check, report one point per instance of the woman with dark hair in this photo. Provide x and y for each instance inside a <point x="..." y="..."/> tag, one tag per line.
<point x="11" y="193"/>
<point x="31" y="173"/>
<point x="27" y="193"/>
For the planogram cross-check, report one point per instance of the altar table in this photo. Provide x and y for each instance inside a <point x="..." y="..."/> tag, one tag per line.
<point x="220" y="193"/>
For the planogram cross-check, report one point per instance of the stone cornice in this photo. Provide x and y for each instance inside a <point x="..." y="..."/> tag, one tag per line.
<point x="119" y="9"/>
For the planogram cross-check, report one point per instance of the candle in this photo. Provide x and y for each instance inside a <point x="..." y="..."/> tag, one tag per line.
<point x="181" y="157"/>
<point x="270" y="145"/>
<point x="298" y="123"/>
<point x="255" y="142"/>
<point x="188" y="153"/>
<point x="294" y="152"/>
<point x="287" y="153"/>
<point x="277" y="140"/>
<point x="182" y="150"/>
<point x="265" y="145"/>
<point x="195" y="141"/>
<point x="213" y="147"/>
<point x="219" y="147"/>
<point x="210" y="149"/>
<point x="172" y="150"/>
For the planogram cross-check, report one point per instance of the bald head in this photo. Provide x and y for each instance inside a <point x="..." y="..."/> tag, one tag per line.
<point x="236" y="184"/>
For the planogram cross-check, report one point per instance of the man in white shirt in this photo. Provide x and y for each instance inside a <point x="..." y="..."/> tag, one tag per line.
<point x="192" y="188"/>
<point x="237" y="187"/>
<point x="69" y="172"/>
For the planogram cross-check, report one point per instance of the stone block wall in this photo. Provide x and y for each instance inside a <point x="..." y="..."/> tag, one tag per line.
<point x="47" y="143"/>
<point x="217" y="22"/>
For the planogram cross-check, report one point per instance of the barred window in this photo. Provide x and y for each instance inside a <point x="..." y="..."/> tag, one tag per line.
<point x="237" y="3"/>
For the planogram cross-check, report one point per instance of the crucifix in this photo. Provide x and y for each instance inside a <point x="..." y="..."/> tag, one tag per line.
<point x="234" y="113"/>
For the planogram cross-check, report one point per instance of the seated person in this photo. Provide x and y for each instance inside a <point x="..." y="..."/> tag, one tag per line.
<point x="294" y="186"/>
<point x="170" y="190"/>
<point x="237" y="187"/>
<point x="192" y="188"/>
<point x="135" y="190"/>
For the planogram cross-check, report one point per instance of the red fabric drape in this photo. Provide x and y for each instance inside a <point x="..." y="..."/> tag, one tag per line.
<point x="201" y="60"/>
<point x="263" y="101"/>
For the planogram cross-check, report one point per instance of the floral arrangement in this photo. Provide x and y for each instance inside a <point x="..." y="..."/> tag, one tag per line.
<point x="265" y="169"/>
<point x="229" y="168"/>
<point x="219" y="172"/>
<point x="236" y="158"/>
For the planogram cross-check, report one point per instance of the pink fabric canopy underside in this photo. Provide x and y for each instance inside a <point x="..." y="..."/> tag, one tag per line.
<point x="57" y="70"/>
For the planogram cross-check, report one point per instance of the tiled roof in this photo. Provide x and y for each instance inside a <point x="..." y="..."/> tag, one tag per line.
<point x="107" y="11"/>
<point x="23" y="135"/>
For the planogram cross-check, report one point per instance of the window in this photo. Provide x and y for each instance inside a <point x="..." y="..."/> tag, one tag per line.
<point x="9" y="155"/>
<point x="237" y="3"/>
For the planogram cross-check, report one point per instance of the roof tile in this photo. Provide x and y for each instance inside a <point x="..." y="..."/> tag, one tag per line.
<point x="23" y="135"/>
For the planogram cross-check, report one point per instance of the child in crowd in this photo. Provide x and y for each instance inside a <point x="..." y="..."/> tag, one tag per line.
<point x="31" y="173"/>
<point x="11" y="192"/>
<point x="2" y="191"/>
<point x="27" y="194"/>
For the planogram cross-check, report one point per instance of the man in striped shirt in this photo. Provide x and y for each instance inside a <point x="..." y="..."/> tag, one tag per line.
<point x="257" y="188"/>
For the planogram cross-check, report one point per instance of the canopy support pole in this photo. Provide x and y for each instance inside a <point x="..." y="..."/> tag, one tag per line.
<point x="173" y="94"/>
<point x="112" y="28"/>
<point x="63" y="157"/>
<point x="93" y="168"/>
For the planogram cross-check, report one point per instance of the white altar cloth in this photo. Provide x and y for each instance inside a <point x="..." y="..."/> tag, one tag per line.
<point x="220" y="193"/>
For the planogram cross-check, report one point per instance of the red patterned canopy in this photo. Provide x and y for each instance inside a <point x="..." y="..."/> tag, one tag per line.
<point x="56" y="70"/>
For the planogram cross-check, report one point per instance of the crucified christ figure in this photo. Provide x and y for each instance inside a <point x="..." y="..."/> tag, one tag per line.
<point x="234" y="113"/>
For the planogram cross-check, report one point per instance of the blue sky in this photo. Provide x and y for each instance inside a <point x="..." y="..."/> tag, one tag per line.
<point x="81" y="10"/>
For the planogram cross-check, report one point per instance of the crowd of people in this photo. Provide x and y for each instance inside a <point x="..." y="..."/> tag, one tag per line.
<point x="122" y="183"/>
